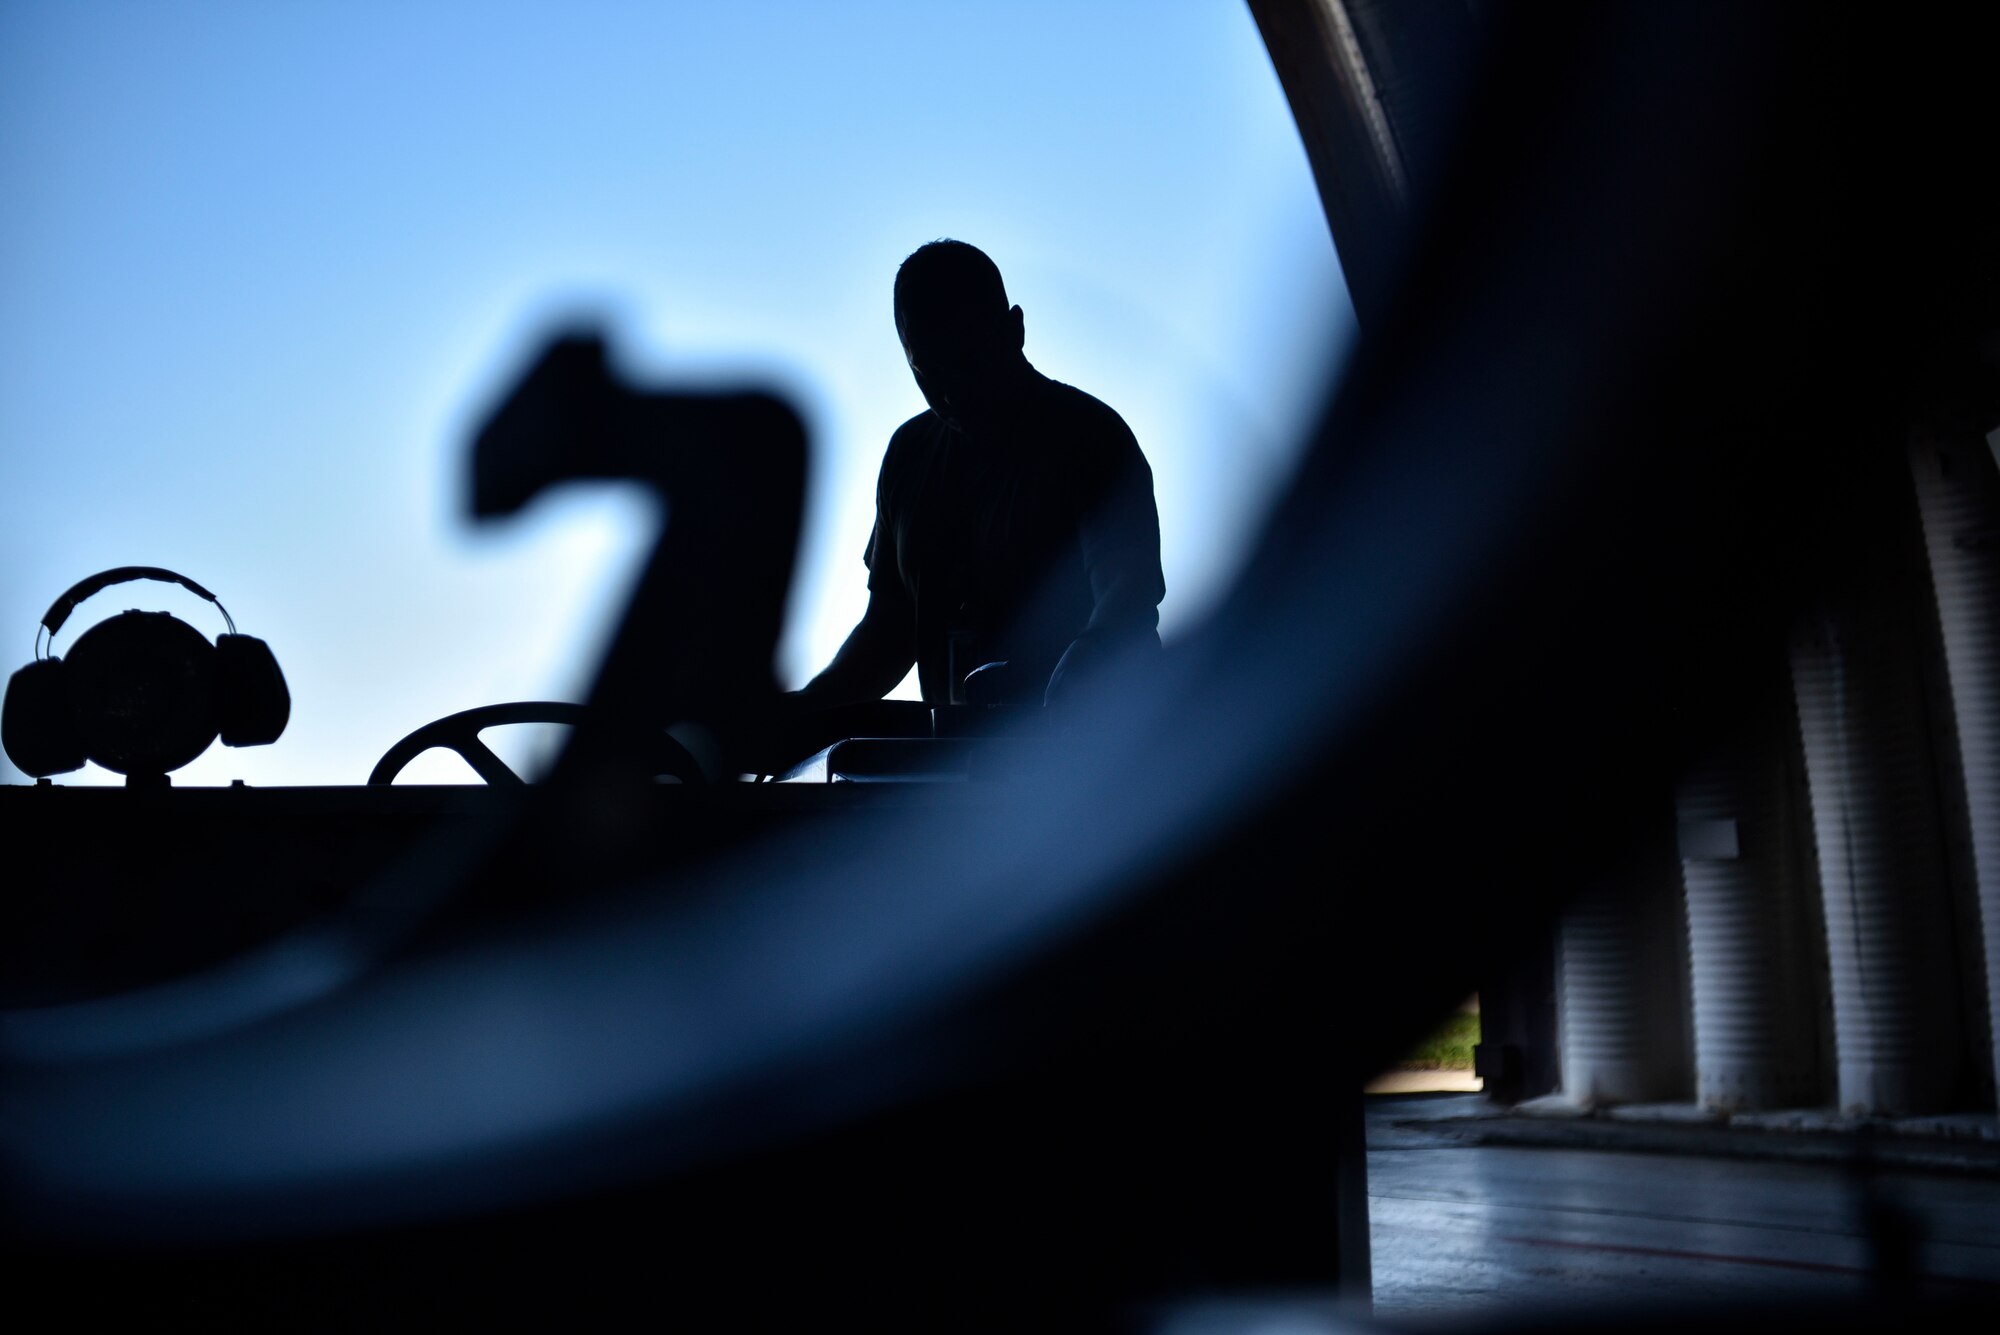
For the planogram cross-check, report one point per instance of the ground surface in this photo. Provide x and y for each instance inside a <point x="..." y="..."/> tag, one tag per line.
<point x="1467" y="1230"/>
<point x="1423" y="1080"/>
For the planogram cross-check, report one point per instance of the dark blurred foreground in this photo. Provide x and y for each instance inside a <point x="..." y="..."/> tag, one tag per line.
<point x="1635" y="385"/>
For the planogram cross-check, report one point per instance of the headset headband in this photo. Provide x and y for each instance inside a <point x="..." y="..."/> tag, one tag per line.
<point x="59" y="611"/>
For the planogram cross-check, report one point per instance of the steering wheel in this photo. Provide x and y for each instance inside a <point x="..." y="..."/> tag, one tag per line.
<point x="460" y="732"/>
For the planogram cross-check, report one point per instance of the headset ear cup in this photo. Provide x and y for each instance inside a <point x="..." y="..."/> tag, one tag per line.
<point x="37" y="725"/>
<point x="255" y="706"/>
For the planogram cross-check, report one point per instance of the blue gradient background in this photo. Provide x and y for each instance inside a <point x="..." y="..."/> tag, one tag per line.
<point x="261" y="265"/>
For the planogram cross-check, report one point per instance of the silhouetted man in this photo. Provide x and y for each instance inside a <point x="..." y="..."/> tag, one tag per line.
<point x="1014" y="521"/>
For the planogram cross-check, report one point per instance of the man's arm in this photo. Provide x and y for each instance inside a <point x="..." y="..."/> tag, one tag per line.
<point x="876" y="656"/>
<point x="1120" y="538"/>
<point x="878" y="652"/>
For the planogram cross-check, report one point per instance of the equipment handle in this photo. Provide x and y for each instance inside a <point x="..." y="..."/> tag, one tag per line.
<point x="60" y="609"/>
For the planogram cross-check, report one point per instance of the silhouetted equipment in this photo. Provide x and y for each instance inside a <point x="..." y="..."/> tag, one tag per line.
<point x="141" y="693"/>
<point x="460" y="733"/>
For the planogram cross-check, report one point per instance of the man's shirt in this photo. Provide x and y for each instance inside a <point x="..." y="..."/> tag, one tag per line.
<point x="1008" y="543"/>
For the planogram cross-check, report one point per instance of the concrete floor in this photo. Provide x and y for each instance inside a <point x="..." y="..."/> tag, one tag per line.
<point x="1464" y="1230"/>
<point x="1411" y="1081"/>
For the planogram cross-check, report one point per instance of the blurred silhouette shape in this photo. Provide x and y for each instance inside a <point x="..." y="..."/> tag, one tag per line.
<point x="697" y="640"/>
<point x="1013" y="520"/>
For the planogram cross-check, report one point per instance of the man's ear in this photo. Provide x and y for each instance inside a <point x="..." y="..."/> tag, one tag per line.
<point x="1017" y="328"/>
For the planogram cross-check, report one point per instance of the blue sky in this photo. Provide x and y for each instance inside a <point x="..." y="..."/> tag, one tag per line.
<point x="262" y="264"/>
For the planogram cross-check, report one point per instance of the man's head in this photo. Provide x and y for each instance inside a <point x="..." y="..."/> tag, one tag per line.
<point x="962" y="339"/>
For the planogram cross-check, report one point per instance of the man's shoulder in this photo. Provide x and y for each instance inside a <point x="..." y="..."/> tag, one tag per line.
<point x="1088" y="416"/>
<point x="1096" y="439"/>
<point x="1070" y="401"/>
<point x="918" y="433"/>
<point x="910" y="445"/>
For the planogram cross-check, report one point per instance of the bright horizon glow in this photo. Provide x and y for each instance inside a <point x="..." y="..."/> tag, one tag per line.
<point x="265" y="265"/>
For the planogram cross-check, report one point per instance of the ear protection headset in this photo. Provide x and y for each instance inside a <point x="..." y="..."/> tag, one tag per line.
<point x="140" y="693"/>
